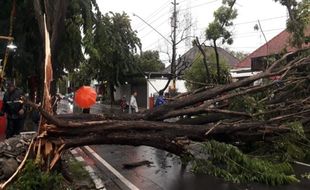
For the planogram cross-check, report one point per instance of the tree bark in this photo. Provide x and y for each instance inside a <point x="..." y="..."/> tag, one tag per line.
<point x="203" y="52"/>
<point x="218" y="68"/>
<point x="111" y="88"/>
<point x="168" y="136"/>
<point x="200" y="97"/>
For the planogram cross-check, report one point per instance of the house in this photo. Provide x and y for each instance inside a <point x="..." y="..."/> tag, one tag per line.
<point x="274" y="48"/>
<point x="186" y="60"/>
<point x="147" y="86"/>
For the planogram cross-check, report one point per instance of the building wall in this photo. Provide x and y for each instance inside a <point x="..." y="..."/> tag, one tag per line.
<point x="123" y="90"/>
<point x="154" y="85"/>
<point x="126" y="90"/>
<point x="141" y="89"/>
<point x="146" y="90"/>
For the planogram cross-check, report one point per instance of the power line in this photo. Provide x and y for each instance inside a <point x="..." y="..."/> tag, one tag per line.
<point x="152" y="28"/>
<point x="199" y="5"/>
<point x="160" y="9"/>
<point x="255" y="21"/>
<point x="165" y="21"/>
<point x="240" y="35"/>
<point x="154" y="43"/>
<point x="165" y="15"/>
<point x="269" y="30"/>
<point x="153" y="22"/>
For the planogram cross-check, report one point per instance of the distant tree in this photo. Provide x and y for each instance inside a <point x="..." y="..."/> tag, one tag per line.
<point x="69" y="23"/>
<point x="112" y="53"/>
<point x="219" y="28"/>
<point x="240" y="55"/>
<point x="149" y="61"/>
<point x="299" y="19"/>
<point x="204" y="58"/>
<point x="196" y="75"/>
<point x="81" y="75"/>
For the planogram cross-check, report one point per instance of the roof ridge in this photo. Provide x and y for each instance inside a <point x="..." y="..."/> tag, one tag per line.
<point x="265" y="44"/>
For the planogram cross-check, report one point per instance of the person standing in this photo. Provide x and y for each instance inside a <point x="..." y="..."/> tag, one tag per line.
<point x="123" y="104"/>
<point x="13" y="106"/>
<point x="133" y="105"/>
<point x="160" y="99"/>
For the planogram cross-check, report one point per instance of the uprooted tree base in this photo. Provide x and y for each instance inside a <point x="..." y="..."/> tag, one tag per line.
<point x="269" y="121"/>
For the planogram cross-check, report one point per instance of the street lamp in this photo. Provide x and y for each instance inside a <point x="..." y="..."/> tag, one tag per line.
<point x="11" y="46"/>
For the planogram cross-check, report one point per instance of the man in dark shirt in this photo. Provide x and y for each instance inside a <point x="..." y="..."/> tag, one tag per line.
<point x="14" y="108"/>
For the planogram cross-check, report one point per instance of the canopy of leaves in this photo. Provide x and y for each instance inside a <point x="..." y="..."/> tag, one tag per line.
<point x="237" y="167"/>
<point x="223" y="17"/>
<point x="240" y="55"/>
<point x="114" y="46"/>
<point x="28" y="58"/>
<point x="25" y="60"/>
<point x="149" y="61"/>
<point x="299" y="19"/>
<point x="81" y="75"/>
<point x="196" y="76"/>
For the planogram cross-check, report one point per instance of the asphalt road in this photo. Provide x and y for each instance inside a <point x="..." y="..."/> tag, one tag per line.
<point x="164" y="172"/>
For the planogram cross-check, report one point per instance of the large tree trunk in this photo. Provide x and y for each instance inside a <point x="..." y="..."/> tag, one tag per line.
<point x="111" y="89"/>
<point x="218" y="68"/>
<point x="203" y="52"/>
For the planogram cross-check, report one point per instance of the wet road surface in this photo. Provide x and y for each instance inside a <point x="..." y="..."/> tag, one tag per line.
<point x="164" y="172"/>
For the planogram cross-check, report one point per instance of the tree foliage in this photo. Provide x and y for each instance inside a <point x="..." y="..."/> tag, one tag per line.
<point x="196" y="76"/>
<point x="219" y="28"/>
<point x="223" y="19"/>
<point x="149" y="61"/>
<point x="237" y="167"/>
<point x="25" y="61"/>
<point x="240" y="55"/>
<point x="81" y="75"/>
<point x="114" y="46"/>
<point x="28" y="58"/>
<point x="299" y="19"/>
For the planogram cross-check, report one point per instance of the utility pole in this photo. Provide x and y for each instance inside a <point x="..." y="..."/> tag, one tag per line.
<point x="174" y="43"/>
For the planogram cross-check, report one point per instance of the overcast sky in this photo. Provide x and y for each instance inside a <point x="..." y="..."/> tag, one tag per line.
<point x="158" y="12"/>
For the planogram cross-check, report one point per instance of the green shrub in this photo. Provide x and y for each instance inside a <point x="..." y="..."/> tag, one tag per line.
<point x="228" y="162"/>
<point x="32" y="178"/>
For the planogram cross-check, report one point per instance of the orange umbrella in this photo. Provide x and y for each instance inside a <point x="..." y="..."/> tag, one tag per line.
<point x="85" y="97"/>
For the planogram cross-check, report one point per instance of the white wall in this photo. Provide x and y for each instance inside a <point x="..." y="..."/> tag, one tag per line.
<point x="160" y="84"/>
<point x="123" y="90"/>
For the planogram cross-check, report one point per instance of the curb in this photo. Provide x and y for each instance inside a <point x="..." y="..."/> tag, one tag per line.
<point x="80" y="156"/>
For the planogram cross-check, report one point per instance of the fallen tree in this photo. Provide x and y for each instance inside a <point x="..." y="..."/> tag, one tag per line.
<point x="274" y="114"/>
<point x="239" y="113"/>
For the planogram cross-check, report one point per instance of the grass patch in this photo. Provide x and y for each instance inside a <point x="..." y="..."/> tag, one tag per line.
<point x="77" y="170"/>
<point x="32" y="178"/>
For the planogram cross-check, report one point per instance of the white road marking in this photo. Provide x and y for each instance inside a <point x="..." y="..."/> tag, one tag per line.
<point x="113" y="170"/>
<point x="97" y="181"/>
<point x="79" y="158"/>
<point x="73" y="151"/>
<point x="301" y="163"/>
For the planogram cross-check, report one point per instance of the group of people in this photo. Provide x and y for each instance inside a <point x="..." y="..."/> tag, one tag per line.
<point x="14" y="109"/>
<point x="133" y="105"/>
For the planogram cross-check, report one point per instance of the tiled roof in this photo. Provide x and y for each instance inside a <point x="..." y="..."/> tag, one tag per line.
<point x="187" y="59"/>
<point x="276" y="45"/>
